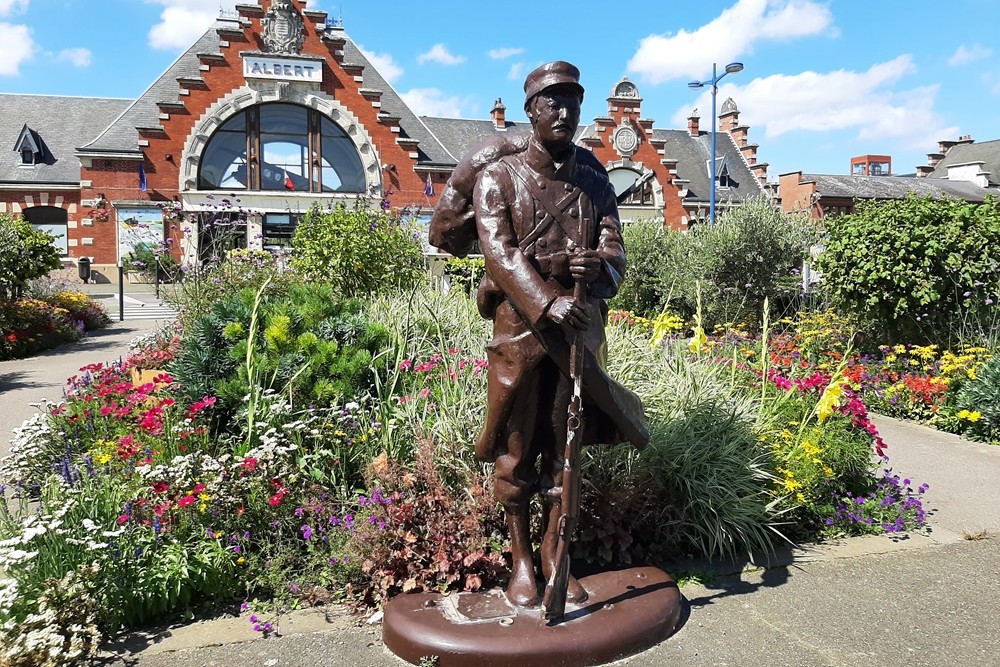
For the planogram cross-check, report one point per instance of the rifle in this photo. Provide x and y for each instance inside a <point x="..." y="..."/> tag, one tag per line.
<point x="554" y="599"/>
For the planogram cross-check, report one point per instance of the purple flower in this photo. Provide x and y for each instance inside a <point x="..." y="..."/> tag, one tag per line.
<point x="307" y="532"/>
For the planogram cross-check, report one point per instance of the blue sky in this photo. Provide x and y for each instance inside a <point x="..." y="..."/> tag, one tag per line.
<point x="824" y="80"/>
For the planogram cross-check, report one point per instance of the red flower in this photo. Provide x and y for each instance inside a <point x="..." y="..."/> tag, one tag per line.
<point x="198" y="488"/>
<point x="160" y="487"/>
<point x="186" y="501"/>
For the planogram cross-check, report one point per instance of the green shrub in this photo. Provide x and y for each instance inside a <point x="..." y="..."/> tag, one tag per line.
<point x="224" y="275"/>
<point x="981" y="397"/>
<point x="646" y="288"/>
<point x="25" y="254"/>
<point x="751" y="255"/>
<point x="915" y="269"/>
<point x="359" y="251"/>
<point x="305" y="343"/>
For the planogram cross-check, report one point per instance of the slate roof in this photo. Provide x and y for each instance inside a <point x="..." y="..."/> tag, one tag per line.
<point x="121" y="135"/>
<point x="459" y="134"/>
<point x="895" y="187"/>
<point x="986" y="151"/>
<point x="62" y="123"/>
<point x="431" y="150"/>
<point x="693" y="155"/>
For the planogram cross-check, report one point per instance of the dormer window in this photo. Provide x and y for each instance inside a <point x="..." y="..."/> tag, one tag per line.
<point x="29" y="146"/>
<point x="724" y="179"/>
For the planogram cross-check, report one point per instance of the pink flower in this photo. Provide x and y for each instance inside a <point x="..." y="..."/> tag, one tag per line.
<point x="186" y="501"/>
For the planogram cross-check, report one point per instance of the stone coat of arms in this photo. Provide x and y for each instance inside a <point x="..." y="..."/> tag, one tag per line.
<point x="284" y="29"/>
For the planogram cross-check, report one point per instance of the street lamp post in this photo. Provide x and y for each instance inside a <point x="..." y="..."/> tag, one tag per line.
<point x="731" y="68"/>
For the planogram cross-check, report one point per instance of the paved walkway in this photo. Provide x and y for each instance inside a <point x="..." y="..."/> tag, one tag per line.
<point x="928" y="599"/>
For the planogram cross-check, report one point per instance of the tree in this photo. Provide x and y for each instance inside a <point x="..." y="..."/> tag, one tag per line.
<point x="25" y="254"/>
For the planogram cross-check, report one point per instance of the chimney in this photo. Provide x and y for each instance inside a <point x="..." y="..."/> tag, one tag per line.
<point x="499" y="115"/>
<point x="693" y="119"/>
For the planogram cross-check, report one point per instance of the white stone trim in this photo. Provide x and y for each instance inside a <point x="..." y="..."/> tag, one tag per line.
<point x="261" y="92"/>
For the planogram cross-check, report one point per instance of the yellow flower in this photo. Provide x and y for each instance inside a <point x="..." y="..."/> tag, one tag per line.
<point x="699" y="341"/>
<point x="973" y="416"/>
<point x="204" y="497"/>
<point x="830" y="398"/>
<point x="241" y="560"/>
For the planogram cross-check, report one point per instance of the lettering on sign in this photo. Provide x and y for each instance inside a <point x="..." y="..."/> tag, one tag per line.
<point x="284" y="69"/>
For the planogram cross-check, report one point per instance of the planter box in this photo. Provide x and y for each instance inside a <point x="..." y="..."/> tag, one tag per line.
<point x="138" y="278"/>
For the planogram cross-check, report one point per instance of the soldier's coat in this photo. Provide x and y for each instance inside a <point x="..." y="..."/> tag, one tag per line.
<point x="527" y="251"/>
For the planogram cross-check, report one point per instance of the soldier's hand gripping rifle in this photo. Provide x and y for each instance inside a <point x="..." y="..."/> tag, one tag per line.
<point x="554" y="599"/>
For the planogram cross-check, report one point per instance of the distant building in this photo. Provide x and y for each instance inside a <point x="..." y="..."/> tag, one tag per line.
<point x="960" y="170"/>
<point x="871" y="165"/>
<point x="276" y="109"/>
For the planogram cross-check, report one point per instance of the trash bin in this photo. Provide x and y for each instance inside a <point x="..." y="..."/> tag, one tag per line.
<point x="83" y="265"/>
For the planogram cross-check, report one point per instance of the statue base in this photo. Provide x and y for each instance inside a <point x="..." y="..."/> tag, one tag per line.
<point x="628" y="612"/>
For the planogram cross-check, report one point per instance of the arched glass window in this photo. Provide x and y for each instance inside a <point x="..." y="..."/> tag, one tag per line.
<point x="623" y="178"/>
<point x="299" y="150"/>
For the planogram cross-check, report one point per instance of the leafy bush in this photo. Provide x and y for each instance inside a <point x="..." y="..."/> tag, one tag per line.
<point x="916" y="269"/>
<point x="224" y="275"/>
<point x="651" y="252"/>
<point x="306" y="344"/>
<point x="751" y="255"/>
<point x="25" y="254"/>
<point x="359" y="251"/>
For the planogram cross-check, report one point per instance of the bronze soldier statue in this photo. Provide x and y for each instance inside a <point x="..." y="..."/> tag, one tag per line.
<point x="546" y="219"/>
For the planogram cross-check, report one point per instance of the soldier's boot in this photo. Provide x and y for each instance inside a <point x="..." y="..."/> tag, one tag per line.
<point x="574" y="592"/>
<point x="522" y="590"/>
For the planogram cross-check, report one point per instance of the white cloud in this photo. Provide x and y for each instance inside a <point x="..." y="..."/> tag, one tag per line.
<point x="182" y="22"/>
<point x="440" y="54"/>
<point x="77" y="56"/>
<point x="965" y="55"/>
<point x="505" y="52"/>
<point x="18" y="46"/>
<point x="516" y="72"/>
<point x="732" y="34"/>
<point x="839" y="100"/>
<point x="384" y="63"/>
<point x="434" y="102"/>
<point x="8" y="7"/>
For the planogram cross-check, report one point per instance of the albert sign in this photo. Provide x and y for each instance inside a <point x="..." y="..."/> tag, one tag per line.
<point x="285" y="69"/>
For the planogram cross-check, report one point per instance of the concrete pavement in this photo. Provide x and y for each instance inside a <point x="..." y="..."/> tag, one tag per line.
<point x="928" y="599"/>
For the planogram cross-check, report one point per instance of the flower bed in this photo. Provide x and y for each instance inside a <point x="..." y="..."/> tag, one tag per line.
<point x="28" y="325"/>
<point x="153" y="496"/>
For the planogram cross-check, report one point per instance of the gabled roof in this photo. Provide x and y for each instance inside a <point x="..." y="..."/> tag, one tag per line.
<point x="987" y="152"/>
<point x="430" y="148"/>
<point x="894" y="187"/>
<point x="460" y="135"/>
<point x="60" y="123"/>
<point x="693" y="155"/>
<point x="121" y="136"/>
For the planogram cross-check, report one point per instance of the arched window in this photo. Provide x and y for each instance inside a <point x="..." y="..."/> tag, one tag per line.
<point x="290" y="148"/>
<point x="623" y="178"/>
<point x="53" y="220"/>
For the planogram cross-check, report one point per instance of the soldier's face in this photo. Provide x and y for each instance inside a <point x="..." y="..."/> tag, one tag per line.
<point x="555" y="115"/>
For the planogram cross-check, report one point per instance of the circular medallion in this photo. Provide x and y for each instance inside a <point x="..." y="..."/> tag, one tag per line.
<point x="626" y="140"/>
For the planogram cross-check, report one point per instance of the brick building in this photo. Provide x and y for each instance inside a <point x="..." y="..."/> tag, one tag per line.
<point x="275" y="109"/>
